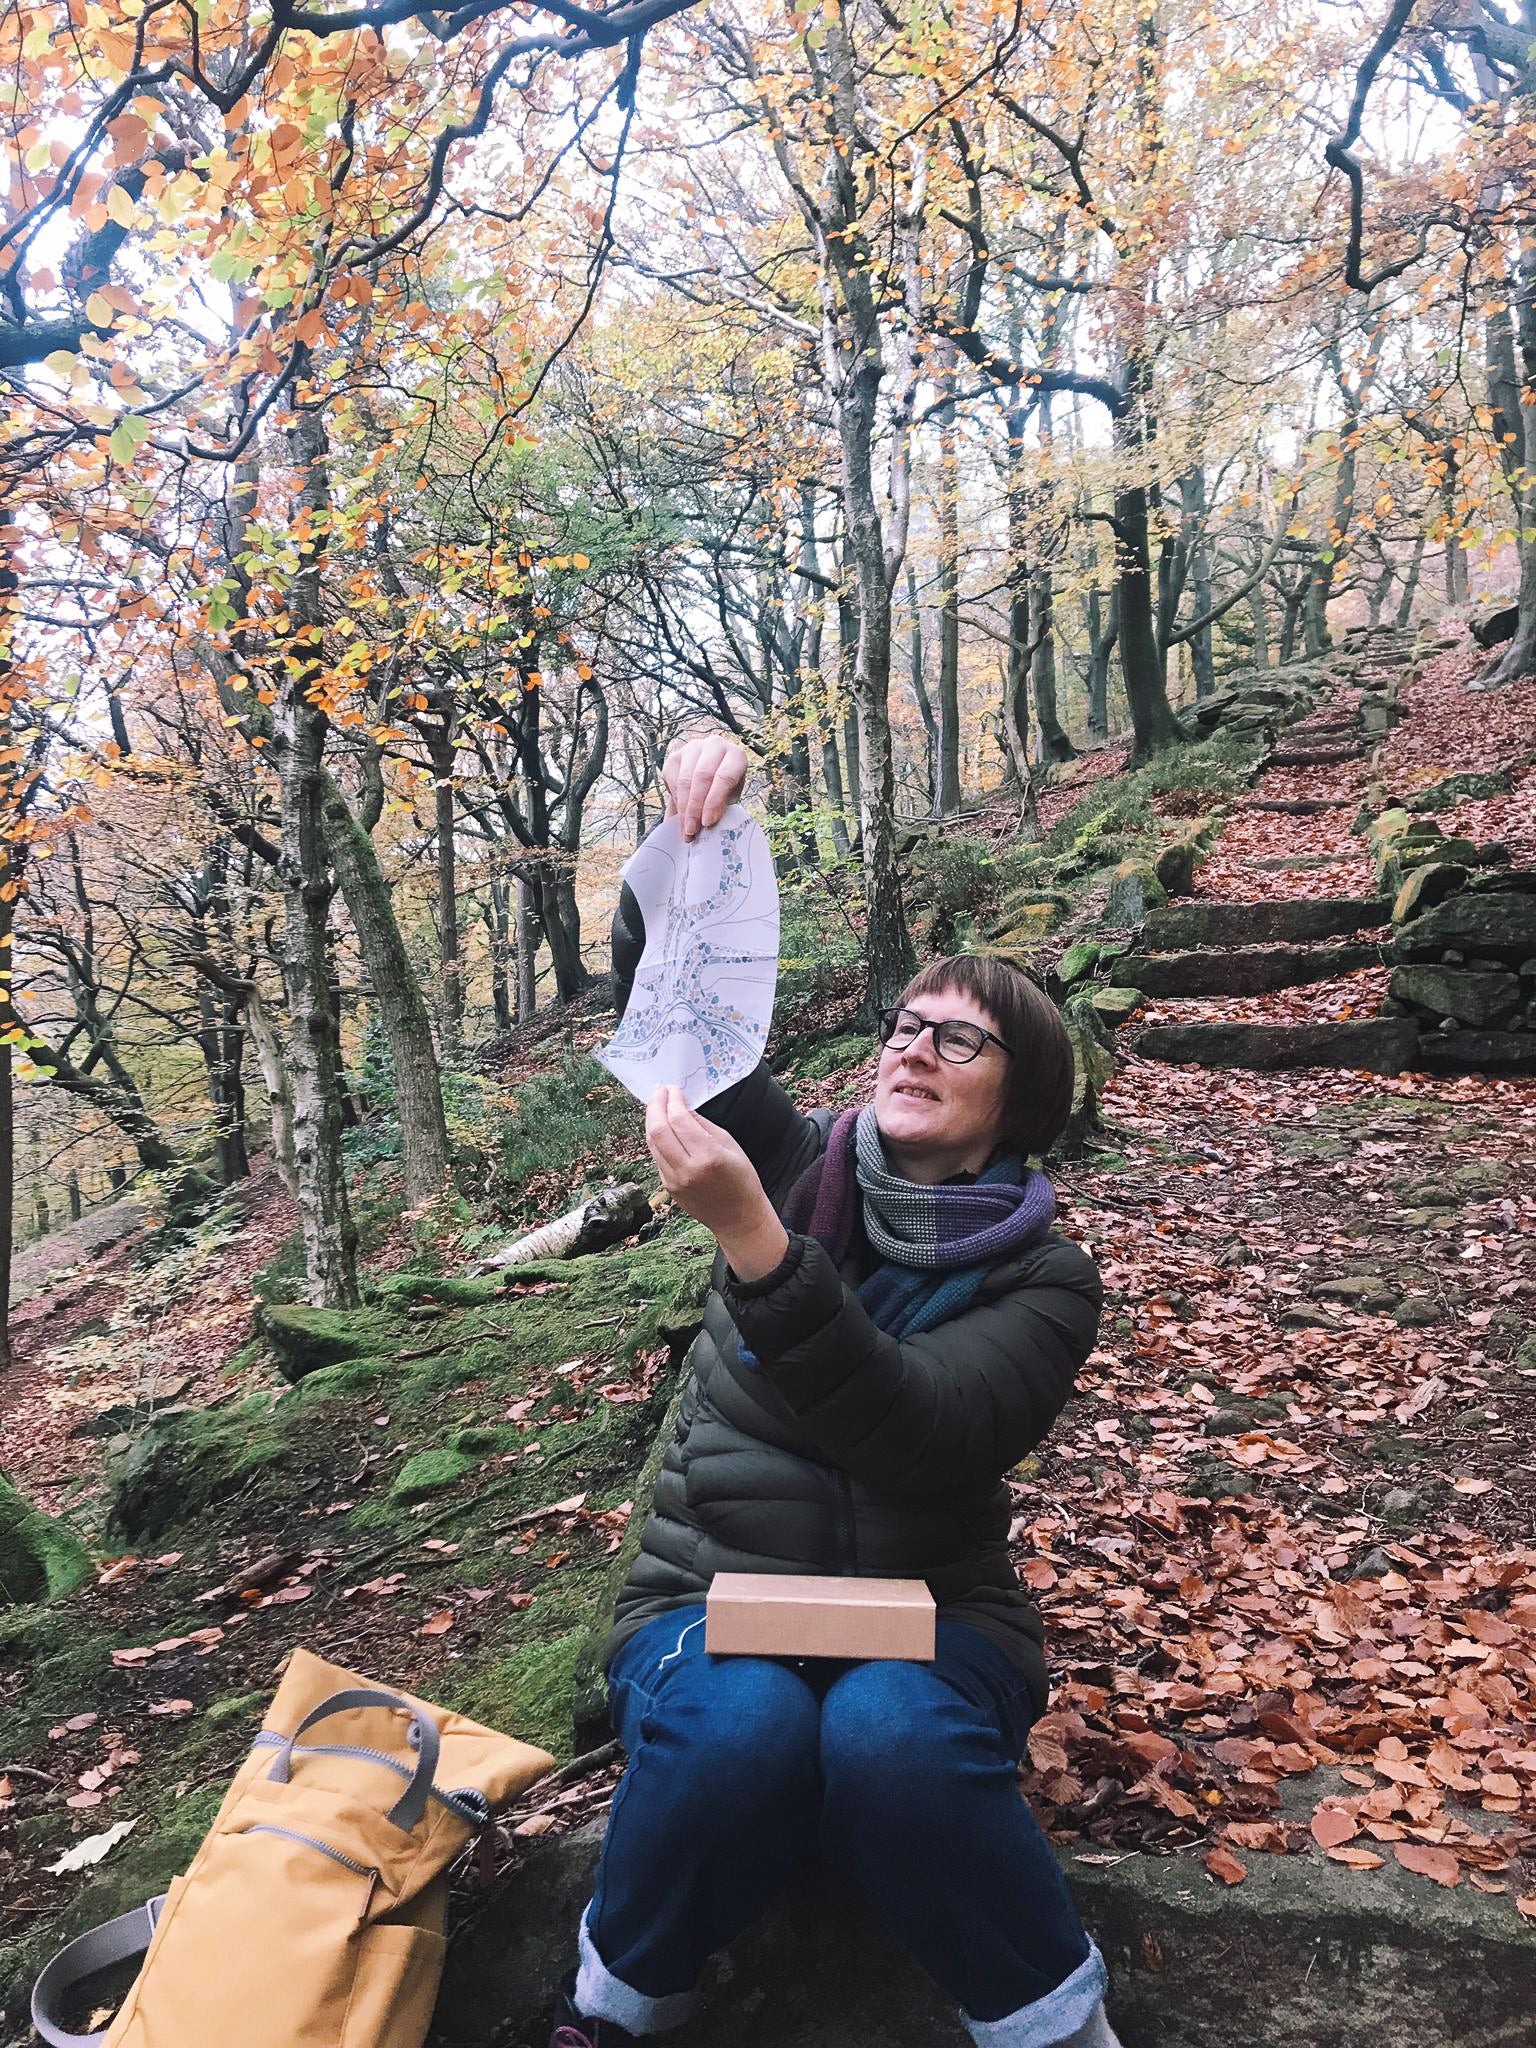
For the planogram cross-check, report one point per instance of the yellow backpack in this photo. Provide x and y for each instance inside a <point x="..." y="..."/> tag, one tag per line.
<point x="313" y="1912"/>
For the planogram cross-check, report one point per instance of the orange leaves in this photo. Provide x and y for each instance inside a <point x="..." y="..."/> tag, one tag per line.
<point x="1223" y="1864"/>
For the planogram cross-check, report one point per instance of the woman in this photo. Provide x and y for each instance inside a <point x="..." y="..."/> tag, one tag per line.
<point x="891" y="1328"/>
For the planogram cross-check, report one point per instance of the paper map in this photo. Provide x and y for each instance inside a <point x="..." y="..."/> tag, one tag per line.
<point x="702" y="1001"/>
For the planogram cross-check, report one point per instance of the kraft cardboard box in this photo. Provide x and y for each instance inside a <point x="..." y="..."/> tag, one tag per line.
<point x="772" y="1614"/>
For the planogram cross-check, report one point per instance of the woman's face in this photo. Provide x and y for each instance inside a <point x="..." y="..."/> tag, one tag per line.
<point x="928" y="1105"/>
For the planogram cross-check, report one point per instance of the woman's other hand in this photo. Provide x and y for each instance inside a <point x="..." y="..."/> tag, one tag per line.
<point x="703" y="775"/>
<point x="706" y="1173"/>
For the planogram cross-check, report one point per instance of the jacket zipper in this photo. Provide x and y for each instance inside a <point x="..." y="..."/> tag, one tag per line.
<point x="850" y="1527"/>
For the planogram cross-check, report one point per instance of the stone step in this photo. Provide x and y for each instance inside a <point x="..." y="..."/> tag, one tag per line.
<point x="1377" y="1045"/>
<point x="1305" y="1954"/>
<point x="1177" y="926"/>
<point x="1298" y="806"/>
<point x="1244" y="971"/>
<point x="1311" y="757"/>
<point x="1478" y="1052"/>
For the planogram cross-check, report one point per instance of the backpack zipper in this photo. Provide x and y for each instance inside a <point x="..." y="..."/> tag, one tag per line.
<point x="267" y="1827"/>
<point x="468" y="1803"/>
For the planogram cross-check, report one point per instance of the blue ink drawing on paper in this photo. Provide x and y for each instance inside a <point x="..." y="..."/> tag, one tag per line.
<point x="702" y="1001"/>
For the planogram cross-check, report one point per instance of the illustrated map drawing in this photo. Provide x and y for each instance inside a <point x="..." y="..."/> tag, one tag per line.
<point x="702" y="1001"/>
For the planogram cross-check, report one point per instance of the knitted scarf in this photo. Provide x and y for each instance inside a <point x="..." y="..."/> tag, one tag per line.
<point x="935" y="1244"/>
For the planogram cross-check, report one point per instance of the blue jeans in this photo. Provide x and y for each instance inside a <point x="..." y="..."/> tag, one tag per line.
<point x="743" y="1769"/>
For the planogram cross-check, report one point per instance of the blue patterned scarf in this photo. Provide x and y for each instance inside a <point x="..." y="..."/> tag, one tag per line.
<point x="936" y="1244"/>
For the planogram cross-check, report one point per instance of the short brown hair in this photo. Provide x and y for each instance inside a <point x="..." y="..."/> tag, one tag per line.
<point x="1037" y="1099"/>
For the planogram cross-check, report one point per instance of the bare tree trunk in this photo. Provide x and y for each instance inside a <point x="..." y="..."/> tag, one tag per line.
<point x="1102" y="634"/>
<point x="920" y="693"/>
<point x="1054" y="744"/>
<point x="1411" y="582"/>
<point x="527" y="951"/>
<point x="1258" y="611"/>
<point x="946" y="785"/>
<point x="498" y="926"/>
<point x="397" y="991"/>
<point x="1153" y="722"/>
<point x="298" y="737"/>
<point x="450" y="1000"/>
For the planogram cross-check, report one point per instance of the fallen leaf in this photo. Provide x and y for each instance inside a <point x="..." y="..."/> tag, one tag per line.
<point x="1356" y="1858"/>
<point x="1223" y="1864"/>
<point x="1440" y="1864"/>
<point x="437" y="1624"/>
<point x="125" y="1657"/>
<point x="93" y="1848"/>
<point x="1331" y="1825"/>
<point x="519" y="1599"/>
<point x="173" y="1710"/>
<point x="1472" y="1485"/>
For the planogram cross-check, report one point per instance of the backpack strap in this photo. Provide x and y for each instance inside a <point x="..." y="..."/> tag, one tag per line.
<point x="115" y="1941"/>
<point x="412" y="1803"/>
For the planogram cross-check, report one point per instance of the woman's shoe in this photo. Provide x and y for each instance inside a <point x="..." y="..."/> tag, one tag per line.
<point x="572" y="2030"/>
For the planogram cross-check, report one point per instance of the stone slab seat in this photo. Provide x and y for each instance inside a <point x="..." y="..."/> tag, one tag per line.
<point x="1305" y="1954"/>
<point x="1377" y="1045"/>
<point x="1180" y="925"/>
<point x="1244" y="971"/>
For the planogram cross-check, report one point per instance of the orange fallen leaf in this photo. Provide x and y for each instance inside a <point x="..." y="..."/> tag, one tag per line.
<point x="437" y="1624"/>
<point x="1223" y="1864"/>
<point x="1439" y="1864"/>
<point x="1355" y="1858"/>
<point x="1331" y="1826"/>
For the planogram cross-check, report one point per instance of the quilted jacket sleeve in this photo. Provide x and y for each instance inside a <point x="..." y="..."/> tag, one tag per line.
<point x="951" y="1409"/>
<point x="777" y="1139"/>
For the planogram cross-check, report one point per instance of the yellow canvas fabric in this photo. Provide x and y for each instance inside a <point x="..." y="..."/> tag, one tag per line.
<point x="328" y="1934"/>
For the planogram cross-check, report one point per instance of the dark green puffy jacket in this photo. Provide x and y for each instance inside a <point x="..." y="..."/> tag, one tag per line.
<point x="846" y="1451"/>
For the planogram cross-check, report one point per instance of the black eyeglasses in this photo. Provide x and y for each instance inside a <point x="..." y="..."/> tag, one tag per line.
<point x="954" y="1039"/>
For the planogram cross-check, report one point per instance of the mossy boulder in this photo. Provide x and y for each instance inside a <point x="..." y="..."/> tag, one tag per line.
<point x="432" y="1472"/>
<point x="1116" y="1006"/>
<point x="1471" y="787"/>
<point x="306" y="1340"/>
<point x="1093" y="1068"/>
<point x="1479" y="998"/>
<point x="182" y="1464"/>
<point x="1426" y="886"/>
<point x="1502" y="927"/>
<point x="1134" y="889"/>
<point x="40" y="1559"/>
<point x="1079" y="961"/>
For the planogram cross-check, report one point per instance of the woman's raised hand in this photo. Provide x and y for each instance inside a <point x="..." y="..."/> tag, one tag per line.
<point x="704" y="775"/>
<point x="707" y="1174"/>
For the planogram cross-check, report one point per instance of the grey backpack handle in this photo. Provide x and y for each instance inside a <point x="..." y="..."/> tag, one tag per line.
<point x="115" y="1941"/>
<point x="412" y="1803"/>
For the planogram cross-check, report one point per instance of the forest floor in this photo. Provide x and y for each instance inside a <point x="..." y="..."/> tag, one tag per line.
<point x="1281" y="1542"/>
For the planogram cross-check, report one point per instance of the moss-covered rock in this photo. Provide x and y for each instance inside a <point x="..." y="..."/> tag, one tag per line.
<point x="304" y="1340"/>
<point x="1425" y="886"/>
<point x="430" y="1472"/>
<point x="1079" y="961"/>
<point x="1134" y="889"/>
<point x="40" y="1559"/>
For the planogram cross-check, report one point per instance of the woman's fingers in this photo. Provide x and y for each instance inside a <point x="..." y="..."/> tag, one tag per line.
<point x="703" y="777"/>
<point x="724" y="786"/>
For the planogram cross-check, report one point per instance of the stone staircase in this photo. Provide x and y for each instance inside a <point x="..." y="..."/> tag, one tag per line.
<point x="1458" y="932"/>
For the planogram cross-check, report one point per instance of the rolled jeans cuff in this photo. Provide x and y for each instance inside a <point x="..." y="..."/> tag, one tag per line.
<point x="1048" y="2022"/>
<point x="602" y="1996"/>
